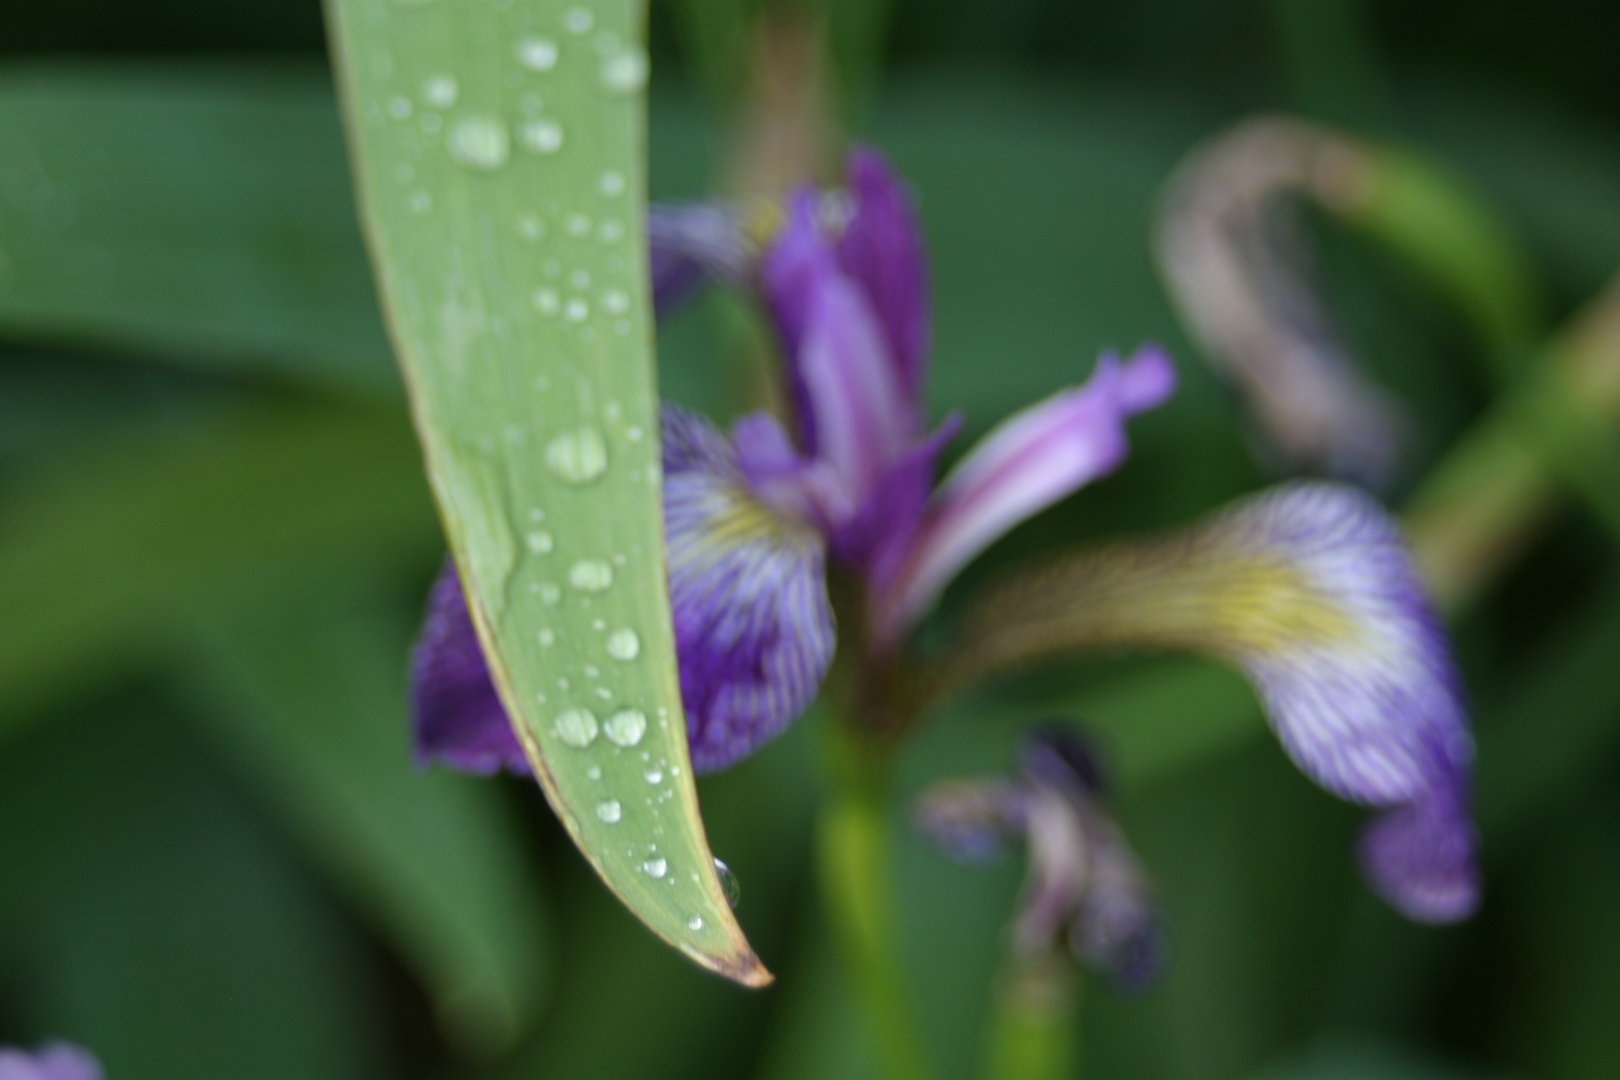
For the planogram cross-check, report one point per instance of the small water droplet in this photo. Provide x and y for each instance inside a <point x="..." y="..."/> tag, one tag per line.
<point x="604" y="693"/>
<point x="695" y="923"/>
<point x="609" y="810"/>
<point x="623" y="644"/>
<point x="592" y="671"/>
<point x="590" y="575"/>
<point x="611" y="183"/>
<point x="420" y="202"/>
<point x="576" y="727"/>
<point x="399" y="108"/>
<point x="431" y="122"/>
<point x="549" y="593"/>
<point x="548" y="638"/>
<point x="576" y="310"/>
<point x="577" y="224"/>
<point x="531" y="227"/>
<point x="633" y="434"/>
<point x="653" y="776"/>
<point x="729" y="885"/>
<point x="537" y="54"/>
<point x="594" y="772"/>
<point x="440" y="90"/>
<point x="579" y="20"/>
<point x="547" y="301"/>
<point x="541" y="136"/>
<point x="610" y="231"/>
<point x="626" y="727"/>
<point x="540" y="542"/>
<point x="616" y="301"/>
<point x="655" y="867"/>
<point x="479" y="142"/>
<point x="625" y="73"/>
<point x="405" y="172"/>
<point x="580" y="278"/>
<point x="577" y="456"/>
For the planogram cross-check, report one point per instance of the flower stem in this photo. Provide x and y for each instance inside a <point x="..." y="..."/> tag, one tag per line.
<point x="854" y="870"/>
<point x="1034" y="1026"/>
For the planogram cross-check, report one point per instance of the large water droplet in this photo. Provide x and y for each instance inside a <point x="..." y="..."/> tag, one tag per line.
<point x="623" y="644"/>
<point x="541" y="136"/>
<point x="440" y="90"/>
<point x="729" y="885"/>
<point x="576" y="310"/>
<point x="479" y="142"/>
<point x="537" y="54"/>
<point x="655" y="867"/>
<point x="590" y="575"/>
<point x="576" y="727"/>
<point x="695" y="923"/>
<point x="577" y="456"/>
<point x="609" y="810"/>
<point x="625" y="73"/>
<point x="626" y="727"/>
<point x="653" y="776"/>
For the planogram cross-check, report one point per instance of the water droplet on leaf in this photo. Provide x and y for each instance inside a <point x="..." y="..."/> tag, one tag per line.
<point x="479" y="142"/>
<point x="609" y="810"/>
<point x="576" y="727"/>
<point x="577" y="456"/>
<point x="623" y="644"/>
<point x="626" y="727"/>
<point x="729" y="885"/>
<point x="625" y="73"/>
<point x="590" y="575"/>
<point x="537" y="54"/>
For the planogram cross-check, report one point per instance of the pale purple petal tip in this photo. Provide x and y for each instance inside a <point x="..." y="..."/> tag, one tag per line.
<point x="458" y="718"/>
<point x="882" y="249"/>
<point x="1420" y="857"/>
<point x="1027" y="463"/>
<point x="753" y="626"/>
<point x="689" y="245"/>
<point x="58" y="1061"/>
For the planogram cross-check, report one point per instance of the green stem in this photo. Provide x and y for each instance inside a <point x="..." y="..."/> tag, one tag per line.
<point x="854" y="863"/>
<point x="1034" y="1024"/>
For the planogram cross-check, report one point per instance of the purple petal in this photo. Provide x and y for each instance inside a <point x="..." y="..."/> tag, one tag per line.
<point x="1030" y="461"/>
<point x="753" y="626"/>
<point x="458" y="716"/>
<point x="853" y="411"/>
<point x="690" y="244"/>
<point x="1358" y="680"/>
<point x="877" y="535"/>
<point x="882" y="249"/>
<point x="58" y="1061"/>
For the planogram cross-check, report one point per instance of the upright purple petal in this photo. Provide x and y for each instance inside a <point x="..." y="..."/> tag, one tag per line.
<point x="58" y="1061"/>
<point x="882" y="249"/>
<point x="1029" y="462"/>
<point x="457" y="715"/>
<point x="753" y="626"/>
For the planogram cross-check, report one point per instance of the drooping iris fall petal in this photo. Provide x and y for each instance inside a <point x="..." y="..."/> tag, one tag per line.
<point x="457" y="715"/>
<point x="1310" y="591"/>
<point x="753" y="626"/>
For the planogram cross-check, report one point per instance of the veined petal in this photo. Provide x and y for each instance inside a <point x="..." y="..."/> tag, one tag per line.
<point x="58" y="1061"/>
<point x="1030" y="461"/>
<point x="1310" y="591"/>
<point x="753" y="626"/>
<point x="458" y="716"/>
<point x="691" y="243"/>
<point x="882" y="249"/>
<point x="852" y="409"/>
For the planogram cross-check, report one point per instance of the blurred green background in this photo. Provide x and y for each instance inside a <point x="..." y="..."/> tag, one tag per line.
<point x="216" y="860"/>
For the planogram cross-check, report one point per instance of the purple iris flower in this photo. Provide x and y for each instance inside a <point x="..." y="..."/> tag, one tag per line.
<point x="58" y="1061"/>
<point x="1085" y="891"/>
<point x="1308" y="589"/>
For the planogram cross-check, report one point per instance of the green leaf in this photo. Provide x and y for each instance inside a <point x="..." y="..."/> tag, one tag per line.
<point x="112" y="552"/>
<point x="311" y="697"/>
<point x="500" y="157"/>
<point x="192" y="215"/>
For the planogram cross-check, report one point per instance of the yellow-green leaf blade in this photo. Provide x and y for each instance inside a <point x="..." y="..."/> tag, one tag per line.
<point x="500" y="156"/>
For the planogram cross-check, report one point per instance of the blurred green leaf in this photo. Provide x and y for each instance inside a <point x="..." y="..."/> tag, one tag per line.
<point x="193" y="214"/>
<point x="150" y="916"/>
<point x="501" y="163"/>
<point x="311" y="698"/>
<point x="111" y="550"/>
